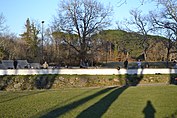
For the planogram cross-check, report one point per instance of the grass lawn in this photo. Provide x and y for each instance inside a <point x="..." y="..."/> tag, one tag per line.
<point x="125" y="102"/>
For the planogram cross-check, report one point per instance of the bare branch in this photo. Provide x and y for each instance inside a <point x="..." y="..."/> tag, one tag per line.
<point x="121" y="2"/>
<point x="2" y="23"/>
<point x="83" y="18"/>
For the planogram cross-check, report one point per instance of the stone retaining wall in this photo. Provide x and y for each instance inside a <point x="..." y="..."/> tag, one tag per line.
<point x="31" y="82"/>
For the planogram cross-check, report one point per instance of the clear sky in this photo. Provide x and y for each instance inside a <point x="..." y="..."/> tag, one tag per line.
<point x="17" y="11"/>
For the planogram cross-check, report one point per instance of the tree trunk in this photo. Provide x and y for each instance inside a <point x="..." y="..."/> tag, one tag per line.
<point x="168" y="55"/>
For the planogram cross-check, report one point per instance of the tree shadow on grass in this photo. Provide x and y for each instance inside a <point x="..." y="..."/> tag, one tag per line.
<point x="134" y="79"/>
<point x="64" y="109"/>
<point x="99" y="108"/>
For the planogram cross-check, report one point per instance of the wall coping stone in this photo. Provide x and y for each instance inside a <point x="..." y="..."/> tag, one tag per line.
<point x="90" y="71"/>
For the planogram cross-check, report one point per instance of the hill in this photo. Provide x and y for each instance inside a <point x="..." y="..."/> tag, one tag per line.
<point x="132" y="45"/>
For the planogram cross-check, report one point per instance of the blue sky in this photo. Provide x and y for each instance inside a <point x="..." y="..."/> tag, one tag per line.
<point x="17" y="11"/>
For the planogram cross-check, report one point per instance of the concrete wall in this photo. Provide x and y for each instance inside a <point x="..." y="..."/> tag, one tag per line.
<point x="86" y="71"/>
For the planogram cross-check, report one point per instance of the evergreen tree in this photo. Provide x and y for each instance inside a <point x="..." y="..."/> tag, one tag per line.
<point x="30" y="36"/>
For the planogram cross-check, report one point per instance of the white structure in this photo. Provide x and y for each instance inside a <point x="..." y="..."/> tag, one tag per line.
<point x="104" y="71"/>
<point x="9" y="64"/>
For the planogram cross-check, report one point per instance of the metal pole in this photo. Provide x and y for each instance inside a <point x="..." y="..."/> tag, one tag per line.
<point x="42" y="39"/>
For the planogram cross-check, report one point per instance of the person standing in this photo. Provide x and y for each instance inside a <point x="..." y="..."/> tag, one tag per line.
<point x="139" y="63"/>
<point x="15" y="63"/>
<point x="126" y="63"/>
<point x="45" y="65"/>
<point x="81" y="63"/>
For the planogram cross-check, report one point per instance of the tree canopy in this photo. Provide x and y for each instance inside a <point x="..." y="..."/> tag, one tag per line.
<point x="81" y="17"/>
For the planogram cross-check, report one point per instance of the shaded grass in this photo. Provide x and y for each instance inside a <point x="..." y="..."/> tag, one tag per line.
<point x="131" y="102"/>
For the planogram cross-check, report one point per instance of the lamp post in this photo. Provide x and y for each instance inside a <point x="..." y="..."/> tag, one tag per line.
<point x="42" y="39"/>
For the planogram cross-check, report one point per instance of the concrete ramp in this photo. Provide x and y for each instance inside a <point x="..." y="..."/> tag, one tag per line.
<point x="2" y="66"/>
<point x="23" y="64"/>
<point x="35" y="65"/>
<point x="9" y="64"/>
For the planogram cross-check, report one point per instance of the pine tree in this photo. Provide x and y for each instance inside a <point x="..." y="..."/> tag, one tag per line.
<point x="30" y="36"/>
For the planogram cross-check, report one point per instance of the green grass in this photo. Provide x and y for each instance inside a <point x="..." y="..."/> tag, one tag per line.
<point x="126" y="102"/>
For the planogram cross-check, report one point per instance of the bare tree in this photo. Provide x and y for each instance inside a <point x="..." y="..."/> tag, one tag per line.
<point x="81" y="17"/>
<point x="7" y="46"/>
<point x="140" y="25"/>
<point x="3" y="27"/>
<point x="168" y="44"/>
<point x="122" y="2"/>
<point x="166" y="18"/>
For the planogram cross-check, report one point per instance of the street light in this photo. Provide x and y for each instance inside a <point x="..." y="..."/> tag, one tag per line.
<point x="42" y="39"/>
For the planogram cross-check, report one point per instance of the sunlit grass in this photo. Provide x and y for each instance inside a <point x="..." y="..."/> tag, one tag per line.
<point x="126" y="102"/>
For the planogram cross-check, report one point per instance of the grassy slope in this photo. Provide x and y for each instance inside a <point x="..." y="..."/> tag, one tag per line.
<point x="91" y="102"/>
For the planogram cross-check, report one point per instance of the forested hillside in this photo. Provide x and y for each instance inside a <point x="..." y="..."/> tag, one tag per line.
<point x="107" y="45"/>
<point x="79" y="32"/>
<point x="124" y="45"/>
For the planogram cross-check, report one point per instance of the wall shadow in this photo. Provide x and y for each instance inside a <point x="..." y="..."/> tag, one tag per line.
<point x="134" y="79"/>
<point x="149" y="110"/>
<point x="46" y="81"/>
<point x="64" y="109"/>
